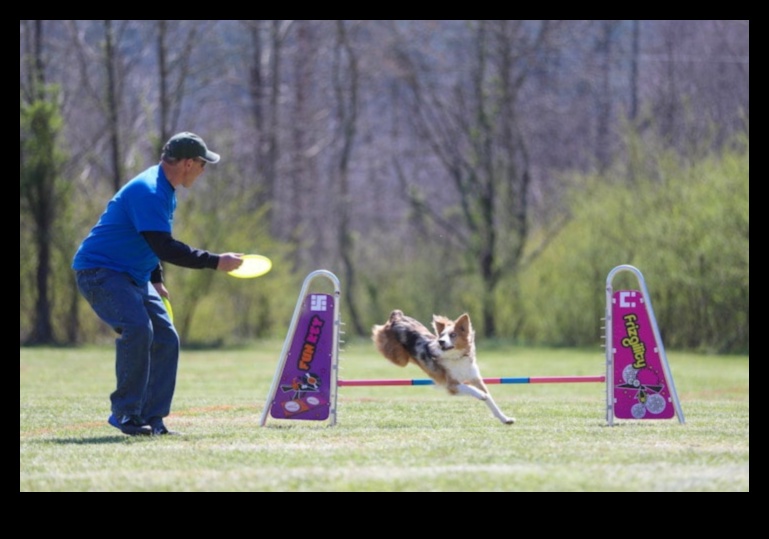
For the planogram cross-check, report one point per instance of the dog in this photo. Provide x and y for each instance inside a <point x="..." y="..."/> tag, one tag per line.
<point x="447" y="356"/>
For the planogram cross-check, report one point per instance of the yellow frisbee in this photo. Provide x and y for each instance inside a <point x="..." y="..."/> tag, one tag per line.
<point x="252" y="266"/>
<point x="168" y="308"/>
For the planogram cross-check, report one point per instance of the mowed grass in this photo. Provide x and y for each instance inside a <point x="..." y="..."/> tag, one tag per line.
<point x="386" y="438"/>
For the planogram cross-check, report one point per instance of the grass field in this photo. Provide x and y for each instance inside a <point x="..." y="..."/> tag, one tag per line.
<point x="386" y="438"/>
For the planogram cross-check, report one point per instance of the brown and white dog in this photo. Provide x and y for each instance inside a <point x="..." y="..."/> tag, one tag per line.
<point x="446" y="356"/>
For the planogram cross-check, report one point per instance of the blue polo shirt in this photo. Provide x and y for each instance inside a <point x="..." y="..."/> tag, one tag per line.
<point x="145" y="203"/>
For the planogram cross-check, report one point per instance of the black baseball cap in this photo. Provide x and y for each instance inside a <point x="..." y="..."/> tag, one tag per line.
<point x="186" y="145"/>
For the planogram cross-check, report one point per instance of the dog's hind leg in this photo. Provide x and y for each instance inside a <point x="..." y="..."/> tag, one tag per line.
<point x="473" y="391"/>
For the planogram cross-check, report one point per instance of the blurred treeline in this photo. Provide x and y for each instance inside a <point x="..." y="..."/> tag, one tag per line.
<point x="501" y="168"/>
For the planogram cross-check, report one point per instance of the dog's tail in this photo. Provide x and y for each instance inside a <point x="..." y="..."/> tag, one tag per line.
<point x="388" y="344"/>
<point x="403" y="338"/>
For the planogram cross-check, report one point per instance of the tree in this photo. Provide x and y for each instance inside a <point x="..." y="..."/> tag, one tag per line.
<point x="476" y="132"/>
<point x="40" y="187"/>
<point x="112" y="102"/>
<point x="267" y="38"/>
<point x="105" y="113"/>
<point x="346" y="85"/>
<point x="176" y="44"/>
<point x="40" y="191"/>
<point x="478" y="126"/>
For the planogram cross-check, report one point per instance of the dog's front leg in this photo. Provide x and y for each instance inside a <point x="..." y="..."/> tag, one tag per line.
<point x="497" y="412"/>
<point x="485" y="397"/>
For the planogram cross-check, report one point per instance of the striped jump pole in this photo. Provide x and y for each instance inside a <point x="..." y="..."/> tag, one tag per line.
<point x="509" y="380"/>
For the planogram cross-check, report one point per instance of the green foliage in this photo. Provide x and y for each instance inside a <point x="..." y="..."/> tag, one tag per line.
<point x="39" y="125"/>
<point x="421" y="280"/>
<point x="26" y="277"/>
<point x="685" y="227"/>
<point x="212" y="307"/>
<point x="683" y="222"/>
<point x="44" y="208"/>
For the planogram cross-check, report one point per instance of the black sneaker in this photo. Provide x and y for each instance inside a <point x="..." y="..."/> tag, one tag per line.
<point x="159" y="428"/>
<point x="129" y="425"/>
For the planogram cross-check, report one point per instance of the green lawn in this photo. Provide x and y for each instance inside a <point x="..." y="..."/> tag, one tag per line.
<point x="386" y="438"/>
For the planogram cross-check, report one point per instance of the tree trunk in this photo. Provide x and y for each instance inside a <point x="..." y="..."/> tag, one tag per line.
<point x="346" y="85"/>
<point x="113" y="105"/>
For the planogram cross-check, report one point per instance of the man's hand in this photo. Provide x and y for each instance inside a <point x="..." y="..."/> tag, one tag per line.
<point x="229" y="261"/>
<point x="161" y="288"/>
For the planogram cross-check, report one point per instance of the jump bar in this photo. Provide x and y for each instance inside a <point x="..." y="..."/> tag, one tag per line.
<point x="518" y="380"/>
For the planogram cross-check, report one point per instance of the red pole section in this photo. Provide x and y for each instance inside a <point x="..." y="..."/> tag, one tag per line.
<point x="517" y="380"/>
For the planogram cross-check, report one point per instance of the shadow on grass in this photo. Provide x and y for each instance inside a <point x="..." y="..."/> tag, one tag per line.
<point x="96" y="440"/>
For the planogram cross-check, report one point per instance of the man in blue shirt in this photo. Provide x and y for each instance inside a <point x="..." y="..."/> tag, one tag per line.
<point x="119" y="272"/>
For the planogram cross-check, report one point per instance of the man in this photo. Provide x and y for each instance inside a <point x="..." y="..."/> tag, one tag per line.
<point x="119" y="272"/>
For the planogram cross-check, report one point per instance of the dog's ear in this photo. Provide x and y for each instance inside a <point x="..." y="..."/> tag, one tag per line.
<point x="439" y="324"/>
<point x="463" y="324"/>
